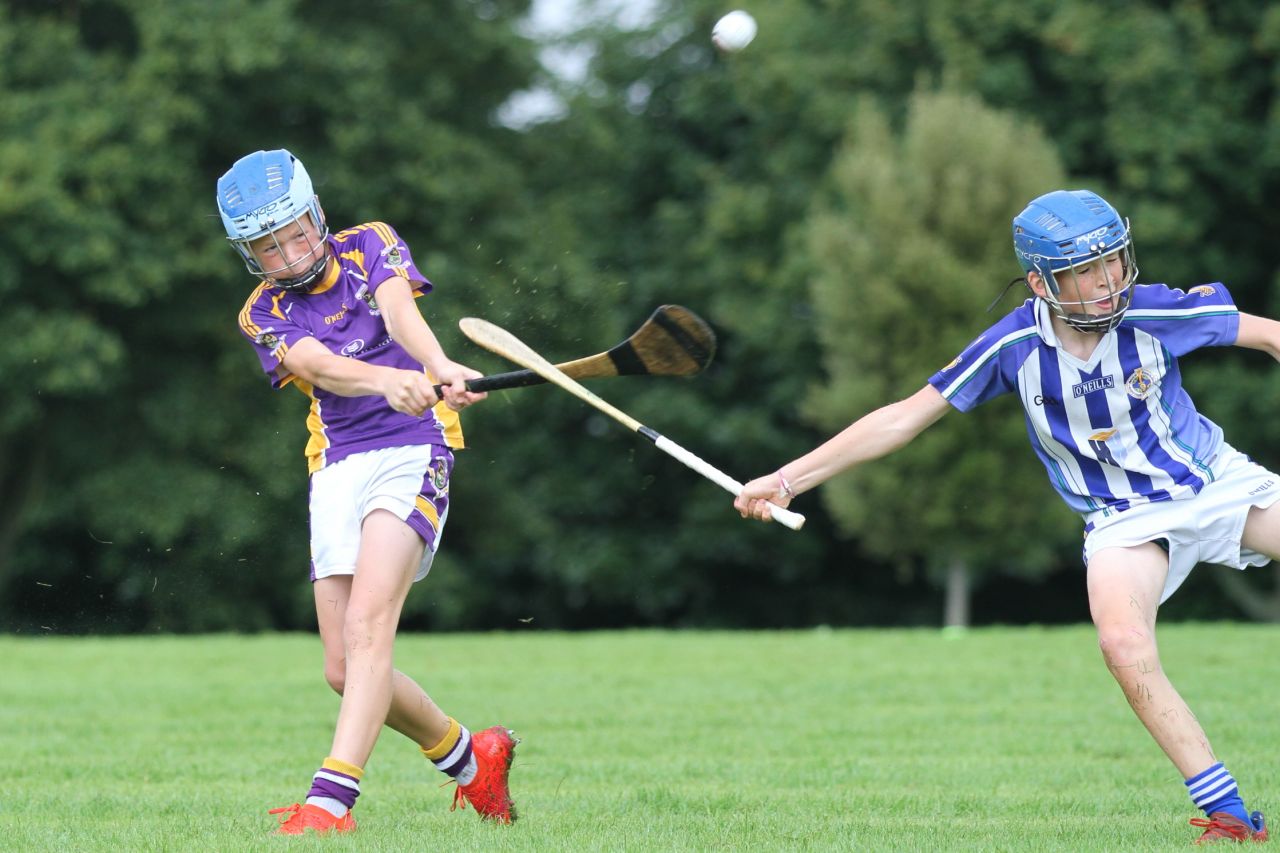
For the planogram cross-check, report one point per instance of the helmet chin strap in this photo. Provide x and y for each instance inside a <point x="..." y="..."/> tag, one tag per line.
<point x="1091" y="324"/>
<point x="306" y="282"/>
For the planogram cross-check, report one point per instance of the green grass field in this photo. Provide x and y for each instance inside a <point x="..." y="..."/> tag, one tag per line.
<point x="999" y="739"/>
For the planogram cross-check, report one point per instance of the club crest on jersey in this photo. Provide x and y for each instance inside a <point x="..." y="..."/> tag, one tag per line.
<point x="269" y="339"/>
<point x="392" y="256"/>
<point x="1203" y="290"/>
<point x="439" y="475"/>
<point x="366" y="296"/>
<point x="1139" y="384"/>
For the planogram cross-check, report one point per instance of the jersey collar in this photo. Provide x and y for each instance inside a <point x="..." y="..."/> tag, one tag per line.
<point x="1044" y="327"/>
<point x="1044" y="323"/>
<point x="330" y="278"/>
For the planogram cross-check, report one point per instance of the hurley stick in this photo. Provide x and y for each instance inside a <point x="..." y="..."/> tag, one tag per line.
<point x="674" y="341"/>
<point x="507" y="345"/>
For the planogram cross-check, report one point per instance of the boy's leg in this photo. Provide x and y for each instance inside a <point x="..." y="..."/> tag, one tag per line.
<point x="412" y="712"/>
<point x="1125" y="585"/>
<point x="1262" y="531"/>
<point x="364" y="611"/>
<point x="389" y="555"/>
<point x="1124" y="595"/>
<point x="481" y="772"/>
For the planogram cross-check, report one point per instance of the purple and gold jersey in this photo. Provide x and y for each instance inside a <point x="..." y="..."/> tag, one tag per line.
<point x="1116" y="430"/>
<point x="342" y="313"/>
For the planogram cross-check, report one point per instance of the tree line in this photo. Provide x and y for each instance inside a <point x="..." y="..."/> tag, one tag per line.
<point x="834" y="200"/>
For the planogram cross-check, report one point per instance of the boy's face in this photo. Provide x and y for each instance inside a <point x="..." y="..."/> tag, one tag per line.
<point x="290" y="250"/>
<point x="1091" y="288"/>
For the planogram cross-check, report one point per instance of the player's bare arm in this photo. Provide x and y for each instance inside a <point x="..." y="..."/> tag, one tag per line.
<point x="379" y="489"/>
<point x="409" y="328"/>
<point x="1259" y="333"/>
<point x="875" y="434"/>
<point x="406" y="391"/>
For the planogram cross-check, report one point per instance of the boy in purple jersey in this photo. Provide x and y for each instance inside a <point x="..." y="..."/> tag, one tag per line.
<point x="334" y="315"/>
<point x="1093" y="358"/>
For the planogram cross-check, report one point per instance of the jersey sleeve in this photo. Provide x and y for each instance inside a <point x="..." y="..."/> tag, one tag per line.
<point x="388" y="256"/>
<point x="265" y="323"/>
<point x="1202" y="316"/>
<point x="988" y="366"/>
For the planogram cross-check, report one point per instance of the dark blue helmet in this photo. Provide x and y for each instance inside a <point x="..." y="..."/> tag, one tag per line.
<point x="1062" y="230"/>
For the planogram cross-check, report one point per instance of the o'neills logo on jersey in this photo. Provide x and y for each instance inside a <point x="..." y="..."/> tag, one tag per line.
<point x="1139" y="384"/>
<point x="1092" y="385"/>
<point x="1203" y="290"/>
<point x="330" y="319"/>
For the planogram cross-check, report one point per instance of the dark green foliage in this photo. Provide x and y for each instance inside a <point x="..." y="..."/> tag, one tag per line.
<point x="150" y="480"/>
<point x="150" y="477"/>
<point x="905" y="260"/>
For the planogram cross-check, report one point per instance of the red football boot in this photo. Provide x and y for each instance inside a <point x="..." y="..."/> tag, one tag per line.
<point x="488" y="792"/>
<point x="1223" y="826"/>
<point x="297" y="819"/>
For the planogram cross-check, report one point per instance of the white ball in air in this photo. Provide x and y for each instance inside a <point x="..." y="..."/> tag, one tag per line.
<point x="734" y="31"/>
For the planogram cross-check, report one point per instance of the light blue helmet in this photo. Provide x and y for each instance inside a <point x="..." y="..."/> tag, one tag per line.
<point x="262" y="193"/>
<point x="1062" y="230"/>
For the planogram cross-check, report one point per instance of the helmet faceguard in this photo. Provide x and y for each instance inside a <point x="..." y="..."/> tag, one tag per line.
<point x="1062" y="231"/>
<point x="261" y="194"/>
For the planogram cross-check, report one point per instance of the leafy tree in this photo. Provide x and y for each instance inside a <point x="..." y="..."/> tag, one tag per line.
<point x="908" y="244"/>
<point x="712" y="161"/>
<point x="150" y="478"/>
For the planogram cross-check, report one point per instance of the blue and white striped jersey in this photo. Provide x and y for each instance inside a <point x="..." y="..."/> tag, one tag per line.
<point x="1116" y="430"/>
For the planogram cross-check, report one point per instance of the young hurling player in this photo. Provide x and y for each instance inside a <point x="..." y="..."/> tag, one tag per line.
<point x="1093" y="358"/>
<point x="334" y="315"/>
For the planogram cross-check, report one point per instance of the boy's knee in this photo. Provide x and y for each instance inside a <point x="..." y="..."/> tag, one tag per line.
<point x="1126" y="644"/>
<point x="336" y="675"/>
<point x="367" y="632"/>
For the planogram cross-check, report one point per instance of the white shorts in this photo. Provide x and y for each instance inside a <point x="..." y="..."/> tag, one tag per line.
<point x="411" y="482"/>
<point x="1203" y="529"/>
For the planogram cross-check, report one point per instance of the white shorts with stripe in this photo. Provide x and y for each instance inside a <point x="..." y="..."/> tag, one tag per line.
<point x="1202" y="529"/>
<point x="411" y="482"/>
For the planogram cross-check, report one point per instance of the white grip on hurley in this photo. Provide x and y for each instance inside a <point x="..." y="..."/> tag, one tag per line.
<point x="786" y="517"/>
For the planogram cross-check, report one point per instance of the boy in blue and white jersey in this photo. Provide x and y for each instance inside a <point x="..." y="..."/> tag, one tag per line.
<point x="1093" y="358"/>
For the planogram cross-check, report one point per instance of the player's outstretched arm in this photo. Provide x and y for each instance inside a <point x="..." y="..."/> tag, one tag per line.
<point x="1259" y="333"/>
<point x="875" y="434"/>
<point x="409" y="329"/>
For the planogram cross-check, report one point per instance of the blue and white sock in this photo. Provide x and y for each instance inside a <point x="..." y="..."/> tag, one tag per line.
<point x="1215" y="790"/>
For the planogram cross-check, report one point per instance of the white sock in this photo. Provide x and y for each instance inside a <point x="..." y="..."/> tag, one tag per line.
<point x="329" y="804"/>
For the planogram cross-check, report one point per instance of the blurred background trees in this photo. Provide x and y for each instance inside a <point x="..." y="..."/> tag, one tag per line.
<point x="912" y="233"/>
<point x="834" y="200"/>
